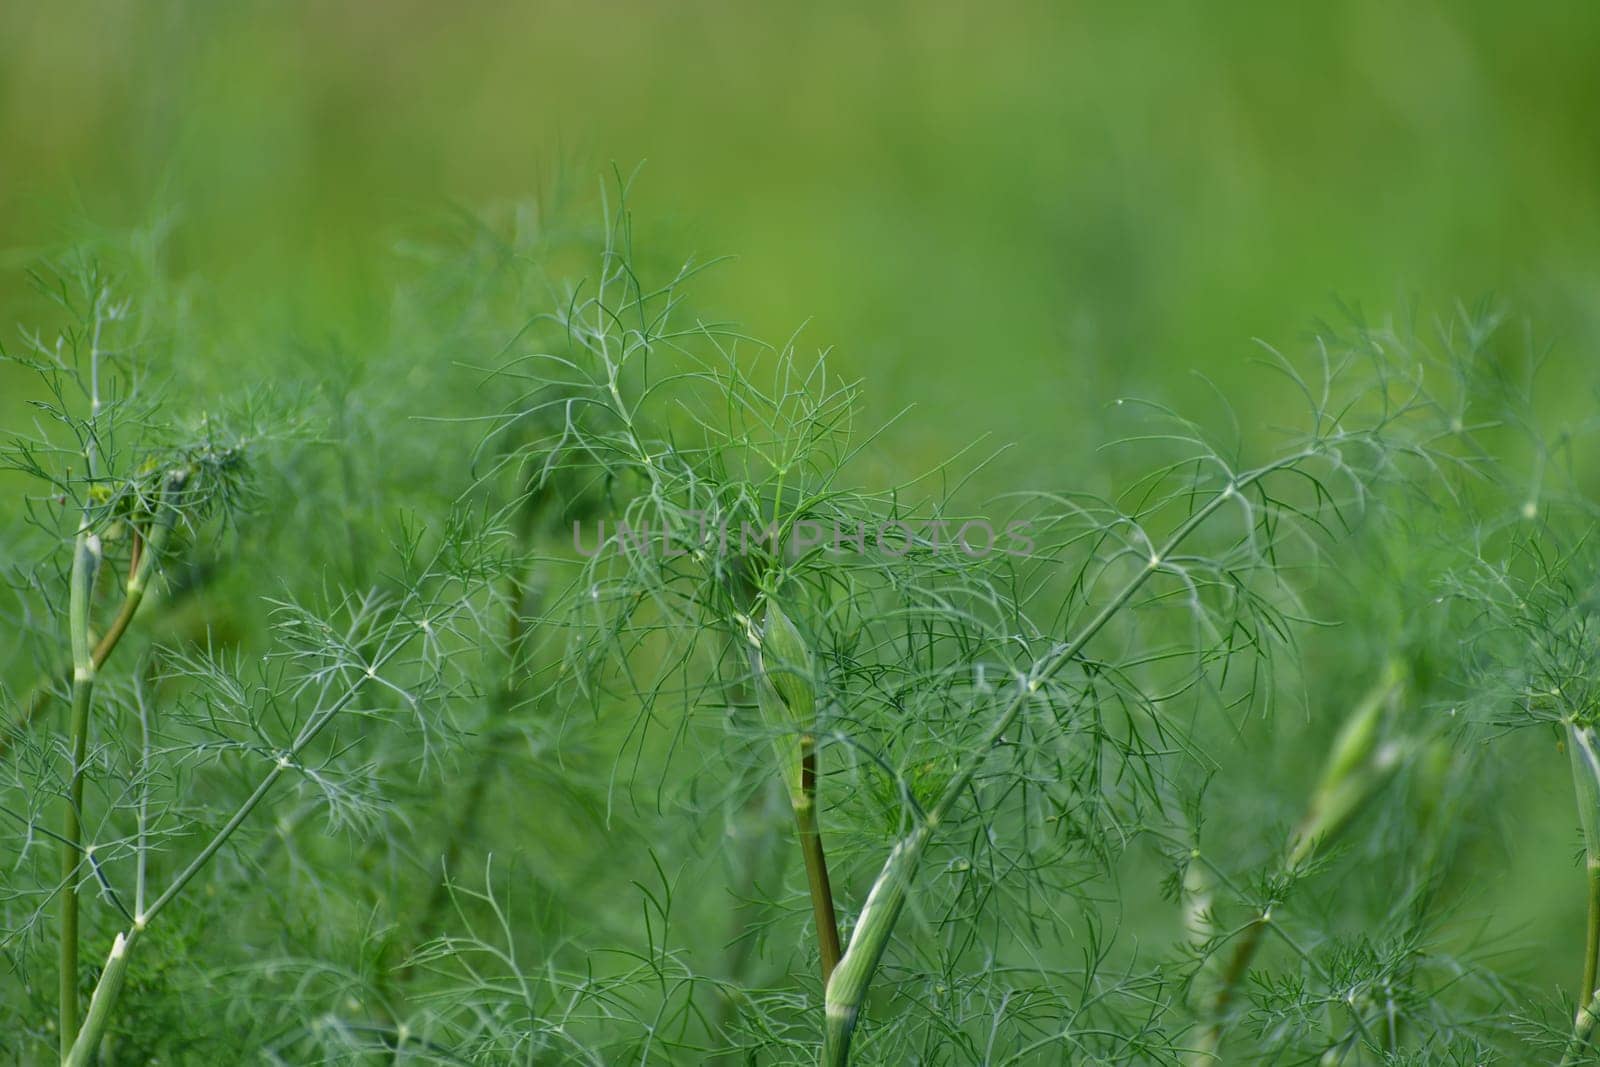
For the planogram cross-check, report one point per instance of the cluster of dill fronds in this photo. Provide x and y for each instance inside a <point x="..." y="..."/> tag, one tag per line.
<point x="498" y="701"/>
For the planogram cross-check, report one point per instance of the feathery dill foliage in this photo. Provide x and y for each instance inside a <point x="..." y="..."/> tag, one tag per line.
<point x="976" y="747"/>
<point x="141" y="762"/>
<point x="547" y="674"/>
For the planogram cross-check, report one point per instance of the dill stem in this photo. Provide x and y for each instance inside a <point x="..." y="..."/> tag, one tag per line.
<point x="1591" y="950"/>
<point x="119" y="626"/>
<point x="86" y="1046"/>
<point x="71" y="832"/>
<point x="1581" y="748"/>
<point x="1582" y="1029"/>
<point x="805" y="818"/>
<point x="85" y="566"/>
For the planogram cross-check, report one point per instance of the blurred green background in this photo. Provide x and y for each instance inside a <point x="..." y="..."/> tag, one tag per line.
<point x="1072" y="196"/>
<point x="1005" y="214"/>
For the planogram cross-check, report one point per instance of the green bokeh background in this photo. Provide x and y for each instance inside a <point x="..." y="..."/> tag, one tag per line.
<point x="1003" y="214"/>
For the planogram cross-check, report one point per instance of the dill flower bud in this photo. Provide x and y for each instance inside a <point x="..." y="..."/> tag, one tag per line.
<point x="787" y="665"/>
<point x="786" y="693"/>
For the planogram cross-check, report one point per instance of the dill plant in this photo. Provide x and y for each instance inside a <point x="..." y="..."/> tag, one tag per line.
<point x="985" y="744"/>
<point x="143" y="782"/>
<point x="636" y="708"/>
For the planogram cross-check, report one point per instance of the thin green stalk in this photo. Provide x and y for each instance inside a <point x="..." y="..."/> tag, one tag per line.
<point x="85" y="567"/>
<point x="805" y="819"/>
<point x="1591" y="948"/>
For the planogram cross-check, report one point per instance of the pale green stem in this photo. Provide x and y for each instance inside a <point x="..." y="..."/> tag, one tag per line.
<point x="847" y="989"/>
<point x="1581" y="748"/>
<point x="1591" y="953"/>
<point x="85" y="567"/>
<point x="82" y="1050"/>
<point x="1582" y="1030"/>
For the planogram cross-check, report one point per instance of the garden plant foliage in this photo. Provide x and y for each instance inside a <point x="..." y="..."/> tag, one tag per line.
<point x="573" y="678"/>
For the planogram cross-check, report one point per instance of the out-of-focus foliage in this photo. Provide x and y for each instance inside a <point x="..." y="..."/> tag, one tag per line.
<point x="1067" y="194"/>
